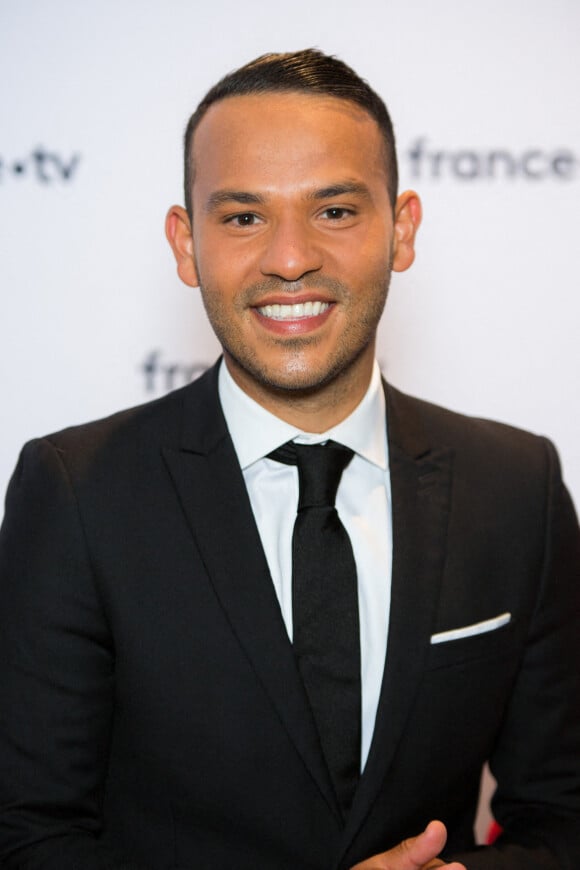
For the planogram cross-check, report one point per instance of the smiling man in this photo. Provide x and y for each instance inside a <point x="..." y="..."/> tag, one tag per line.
<point x="279" y="619"/>
<point x="293" y="242"/>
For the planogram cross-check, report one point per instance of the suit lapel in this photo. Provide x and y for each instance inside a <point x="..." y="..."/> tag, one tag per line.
<point x="420" y="485"/>
<point x="213" y="495"/>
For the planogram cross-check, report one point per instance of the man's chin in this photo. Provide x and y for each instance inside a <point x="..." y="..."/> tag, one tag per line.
<point x="290" y="385"/>
<point x="292" y="382"/>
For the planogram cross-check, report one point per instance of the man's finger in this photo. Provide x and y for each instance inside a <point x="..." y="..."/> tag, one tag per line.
<point x="416" y="853"/>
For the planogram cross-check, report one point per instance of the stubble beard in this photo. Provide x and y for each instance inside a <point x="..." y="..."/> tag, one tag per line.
<point x="297" y="380"/>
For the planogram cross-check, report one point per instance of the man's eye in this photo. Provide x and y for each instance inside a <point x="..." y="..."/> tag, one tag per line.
<point x="336" y="213"/>
<point x="243" y="220"/>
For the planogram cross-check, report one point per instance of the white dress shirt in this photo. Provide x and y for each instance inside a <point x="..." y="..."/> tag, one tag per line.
<point x="363" y="503"/>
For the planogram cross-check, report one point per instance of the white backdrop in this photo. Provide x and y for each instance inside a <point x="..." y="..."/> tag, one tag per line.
<point x="94" y="97"/>
<point x="93" y="100"/>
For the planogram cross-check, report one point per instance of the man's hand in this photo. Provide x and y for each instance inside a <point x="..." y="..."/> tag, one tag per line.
<point x="416" y="853"/>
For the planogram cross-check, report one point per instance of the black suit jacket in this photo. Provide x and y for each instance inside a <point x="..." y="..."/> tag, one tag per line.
<point x="152" y="713"/>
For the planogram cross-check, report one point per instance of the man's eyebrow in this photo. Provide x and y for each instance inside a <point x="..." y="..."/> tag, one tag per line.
<point x="241" y="197"/>
<point x="340" y="188"/>
<point x="244" y="197"/>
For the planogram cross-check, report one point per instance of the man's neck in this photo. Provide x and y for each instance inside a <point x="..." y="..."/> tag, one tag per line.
<point x="316" y="410"/>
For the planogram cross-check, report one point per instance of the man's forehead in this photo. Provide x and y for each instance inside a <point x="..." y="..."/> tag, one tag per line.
<point x="259" y="112"/>
<point x="285" y="143"/>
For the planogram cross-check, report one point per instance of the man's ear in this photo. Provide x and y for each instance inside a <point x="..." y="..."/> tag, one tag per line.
<point x="179" y="236"/>
<point x="408" y="213"/>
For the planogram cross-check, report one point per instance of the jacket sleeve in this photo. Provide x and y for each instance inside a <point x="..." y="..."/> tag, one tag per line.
<point x="536" y="760"/>
<point x="56" y="676"/>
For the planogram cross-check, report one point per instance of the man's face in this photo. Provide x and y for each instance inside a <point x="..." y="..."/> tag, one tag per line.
<point x="293" y="238"/>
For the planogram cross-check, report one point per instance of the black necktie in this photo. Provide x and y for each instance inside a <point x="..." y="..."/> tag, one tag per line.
<point x="326" y="635"/>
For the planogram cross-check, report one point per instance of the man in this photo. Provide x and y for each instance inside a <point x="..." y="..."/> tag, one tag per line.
<point x="161" y="678"/>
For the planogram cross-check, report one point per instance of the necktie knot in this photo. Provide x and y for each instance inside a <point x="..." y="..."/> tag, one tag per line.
<point x="320" y="468"/>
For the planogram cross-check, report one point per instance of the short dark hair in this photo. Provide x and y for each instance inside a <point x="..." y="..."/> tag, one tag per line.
<point x="308" y="71"/>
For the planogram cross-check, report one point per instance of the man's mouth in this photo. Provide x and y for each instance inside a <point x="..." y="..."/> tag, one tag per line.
<point x="296" y="311"/>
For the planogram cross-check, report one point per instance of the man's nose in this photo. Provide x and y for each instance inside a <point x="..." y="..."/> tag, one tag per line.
<point x="290" y="251"/>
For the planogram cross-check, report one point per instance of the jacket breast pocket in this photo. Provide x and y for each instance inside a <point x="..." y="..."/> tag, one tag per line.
<point x="496" y="643"/>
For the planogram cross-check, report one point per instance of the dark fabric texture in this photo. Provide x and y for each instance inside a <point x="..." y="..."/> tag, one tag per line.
<point x="151" y="709"/>
<point x="326" y="631"/>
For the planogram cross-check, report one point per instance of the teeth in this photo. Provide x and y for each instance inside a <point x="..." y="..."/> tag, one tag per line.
<point x="294" y="312"/>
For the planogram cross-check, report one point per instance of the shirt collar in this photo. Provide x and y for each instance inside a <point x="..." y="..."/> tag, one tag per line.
<point x="255" y="432"/>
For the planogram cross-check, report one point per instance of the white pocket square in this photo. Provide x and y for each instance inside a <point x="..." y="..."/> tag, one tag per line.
<point x="471" y="630"/>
